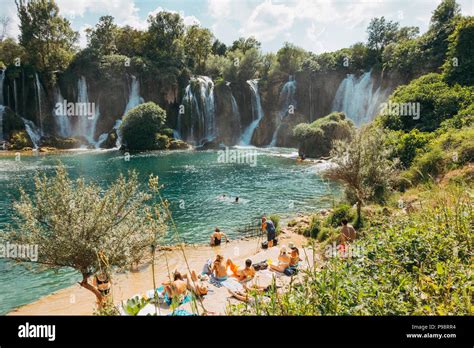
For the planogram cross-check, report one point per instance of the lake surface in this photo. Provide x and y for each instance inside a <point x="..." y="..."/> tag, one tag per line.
<point x="194" y="182"/>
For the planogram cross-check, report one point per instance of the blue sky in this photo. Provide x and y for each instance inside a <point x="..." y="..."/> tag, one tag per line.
<point x="316" y="25"/>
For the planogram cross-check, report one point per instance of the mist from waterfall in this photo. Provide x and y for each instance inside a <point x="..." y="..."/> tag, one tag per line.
<point x="286" y="99"/>
<point x="198" y="101"/>
<point x="357" y="99"/>
<point x="257" y="113"/>
<point x="235" y="112"/>
<point x="134" y="100"/>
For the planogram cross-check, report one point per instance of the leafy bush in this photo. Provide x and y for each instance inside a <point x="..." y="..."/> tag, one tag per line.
<point x="408" y="144"/>
<point x="450" y="150"/>
<point x="438" y="102"/>
<point x="162" y="142"/>
<point x="342" y="211"/>
<point x="20" y="140"/>
<point x="459" y="65"/>
<point x="292" y="223"/>
<point x="141" y="124"/>
<point x="315" y="139"/>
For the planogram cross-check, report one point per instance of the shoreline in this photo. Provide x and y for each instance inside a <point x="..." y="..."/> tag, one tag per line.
<point x="75" y="300"/>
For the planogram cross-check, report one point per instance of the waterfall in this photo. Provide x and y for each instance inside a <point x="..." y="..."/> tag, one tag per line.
<point x="357" y="99"/>
<point x="63" y="122"/>
<point x="200" y="108"/>
<point x="257" y="113"/>
<point x="15" y="96"/>
<point x="2" y="79"/>
<point x="285" y="100"/>
<point x="2" y="103"/>
<point x="38" y="98"/>
<point x="134" y="100"/>
<point x="2" y="110"/>
<point x="235" y="111"/>
<point x="85" y="126"/>
<point x="33" y="131"/>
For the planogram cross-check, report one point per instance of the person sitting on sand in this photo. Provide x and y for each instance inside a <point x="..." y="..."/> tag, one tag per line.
<point x="269" y="227"/>
<point x="294" y="255"/>
<point x="245" y="274"/>
<point x="216" y="237"/>
<point x="195" y="284"/>
<point x="245" y="296"/>
<point x="348" y="233"/>
<point x="283" y="261"/>
<point x="218" y="269"/>
<point x="176" y="288"/>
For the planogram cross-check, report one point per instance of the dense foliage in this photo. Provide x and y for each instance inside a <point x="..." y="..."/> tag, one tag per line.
<point x="142" y="125"/>
<point x="316" y="139"/>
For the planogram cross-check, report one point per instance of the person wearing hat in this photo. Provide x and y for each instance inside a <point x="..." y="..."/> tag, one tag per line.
<point x="294" y="255"/>
<point x="283" y="260"/>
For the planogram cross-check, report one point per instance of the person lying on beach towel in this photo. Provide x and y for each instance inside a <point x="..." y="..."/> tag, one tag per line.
<point x="246" y="297"/>
<point x="242" y="274"/>
<point x="219" y="269"/>
<point x="283" y="261"/>
<point x="195" y="284"/>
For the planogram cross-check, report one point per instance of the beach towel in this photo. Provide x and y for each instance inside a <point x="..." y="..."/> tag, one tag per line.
<point x="181" y="313"/>
<point x="230" y="283"/>
<point x="168" y="300"/>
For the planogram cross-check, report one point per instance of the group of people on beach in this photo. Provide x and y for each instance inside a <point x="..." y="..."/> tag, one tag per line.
<point x="220" y="269"/>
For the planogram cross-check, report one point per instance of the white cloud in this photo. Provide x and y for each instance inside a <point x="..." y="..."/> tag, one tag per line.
<point x="83" y="36"/>
<point x="268" y="20"/>
<point x="220" y="8"/>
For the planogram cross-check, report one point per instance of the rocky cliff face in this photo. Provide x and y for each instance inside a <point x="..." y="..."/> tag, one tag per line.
<point x="285" y="101"/>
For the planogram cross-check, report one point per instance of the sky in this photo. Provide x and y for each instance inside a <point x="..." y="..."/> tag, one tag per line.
<point x="315" y="25"/>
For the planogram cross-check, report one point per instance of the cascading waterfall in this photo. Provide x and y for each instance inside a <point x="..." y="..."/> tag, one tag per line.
<point x="2" y="110"/>
<point x="134" y="100"/>
<point x="15" y="96"/>
<point x="33" y="132"/>
<point x="357" y="99"/>
<point x="38" y="98"/>
<point x="198" y="100"/>
<point x="286" y="100"/>
<point x="235" y="111"/>
<point x="2" y="102"/>
<point x="85" y="126"/>
<point x="257" y="113"/>
<point x="63" y="122"/>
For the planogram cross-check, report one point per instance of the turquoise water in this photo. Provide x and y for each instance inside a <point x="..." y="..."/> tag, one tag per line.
<point x="193" y="183"/>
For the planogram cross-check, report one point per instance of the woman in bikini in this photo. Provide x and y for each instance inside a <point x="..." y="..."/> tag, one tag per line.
<point x="283" y="261"/>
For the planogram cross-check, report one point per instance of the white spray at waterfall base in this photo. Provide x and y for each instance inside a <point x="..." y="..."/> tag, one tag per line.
<point x="257" y="113"/>
<point x="357" y="99"/>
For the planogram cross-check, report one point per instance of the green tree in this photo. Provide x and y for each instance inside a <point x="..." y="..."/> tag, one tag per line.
<point x="46" y="36"/>
<point x="130" y="42"/>
<point x="459" y="65"/>
<point x="443" y="22"/>
<point x="363" y="166"/>
<point x="245" y="44"/>
<point x="102" y="39"/>
<point x="219" y="48"/>
<point x="73" y="222"/>
<point x="10" y="50"/>
<point x="141" y="125"/>
<point x="164" y="41"/>
<point x="290" y="58"/>
<point x="197" y="46"/>
<point x="381" y="32"/>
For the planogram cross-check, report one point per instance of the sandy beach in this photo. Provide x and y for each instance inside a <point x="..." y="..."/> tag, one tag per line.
<point x="76" y="300"/>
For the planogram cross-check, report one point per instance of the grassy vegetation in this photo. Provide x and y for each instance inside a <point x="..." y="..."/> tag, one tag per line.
<point x="410" y="264"/>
